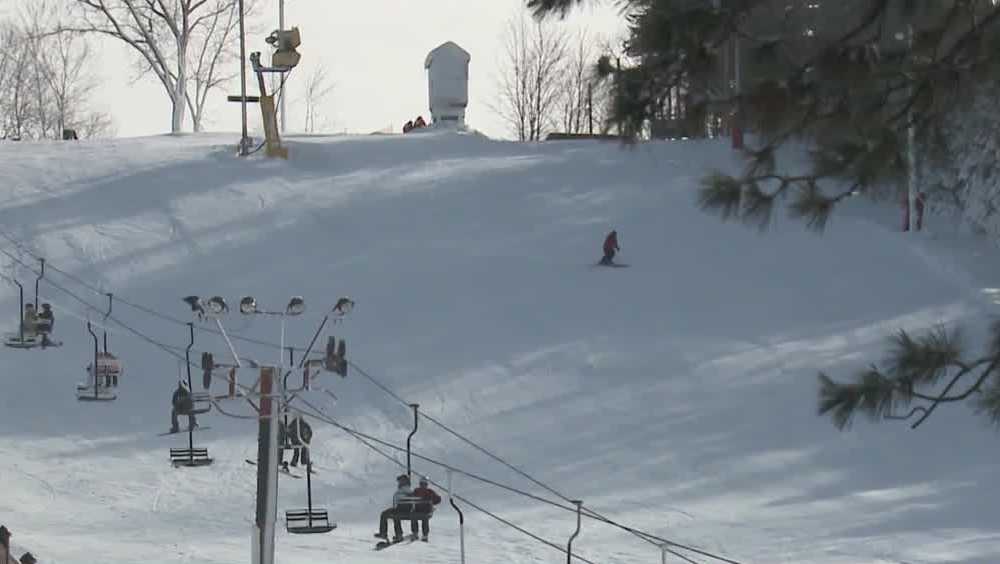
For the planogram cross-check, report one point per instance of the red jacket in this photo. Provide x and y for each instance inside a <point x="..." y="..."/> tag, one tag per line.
<point x="428" y="494"/>
<point x="611" y="242"/>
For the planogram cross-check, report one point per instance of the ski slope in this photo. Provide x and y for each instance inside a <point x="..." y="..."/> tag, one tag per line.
<point x="676" y="396"/>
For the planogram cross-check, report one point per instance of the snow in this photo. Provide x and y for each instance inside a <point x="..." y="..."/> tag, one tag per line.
<point x="677" y="396"/>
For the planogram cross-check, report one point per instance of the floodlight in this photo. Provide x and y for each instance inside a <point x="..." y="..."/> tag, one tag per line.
<point x="217" y="306"/>
<point x="296" y="306"/>
<point x="248" y="305"/>
<point x="195" y="303"/>
<point x="344" y="306"/>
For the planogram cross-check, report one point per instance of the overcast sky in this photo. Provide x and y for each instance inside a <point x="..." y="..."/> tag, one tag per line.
<point x="374" y="50"/>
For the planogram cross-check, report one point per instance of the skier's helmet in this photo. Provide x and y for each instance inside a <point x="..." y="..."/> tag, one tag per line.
<point x="423" y="480"/>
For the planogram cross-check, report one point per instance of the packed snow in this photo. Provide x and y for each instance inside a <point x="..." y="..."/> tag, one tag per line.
<point x="676" y="396"/>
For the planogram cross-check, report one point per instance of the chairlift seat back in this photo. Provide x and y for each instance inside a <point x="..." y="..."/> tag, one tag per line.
<point x="108" y="365"/>
<point x="306" y="521"/>
<point x="415" y="508"/>
<point x="86" y="393"/>
<point x="190" y="457"/>
<point x="28" y="342"/>
<point x="201" y="402"/>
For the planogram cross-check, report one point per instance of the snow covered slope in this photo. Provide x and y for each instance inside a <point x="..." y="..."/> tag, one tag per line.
<point x="676" y="396"/>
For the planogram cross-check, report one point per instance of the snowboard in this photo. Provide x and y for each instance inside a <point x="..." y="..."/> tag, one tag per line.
<point x="386" y="544"/>
<point x="280" y="470"/>
<point x="612" y="265"/>
<point x="199" y="428"/>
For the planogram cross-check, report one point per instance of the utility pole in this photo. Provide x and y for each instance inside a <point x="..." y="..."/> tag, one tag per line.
<point x="281" y="27"/>
<point x="245" y="139"/>
<point x="911" y="177"/>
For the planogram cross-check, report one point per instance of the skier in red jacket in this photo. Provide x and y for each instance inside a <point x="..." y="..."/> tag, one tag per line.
<point x="610" y="246"/>
<point x="432" y="498"/>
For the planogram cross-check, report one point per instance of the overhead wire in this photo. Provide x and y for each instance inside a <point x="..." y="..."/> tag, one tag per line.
<point x="364" y="439"/>
<point x="648" y="537"/>
<point x="322" y="416"/>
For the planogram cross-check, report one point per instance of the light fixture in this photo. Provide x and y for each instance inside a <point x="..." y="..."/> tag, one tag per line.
<point x="248" y="305"/>
<point x="344" y="306"/>
<point x="195" y="303"/>
<point x="296" y="306"/>
<point x="217" y="306"/>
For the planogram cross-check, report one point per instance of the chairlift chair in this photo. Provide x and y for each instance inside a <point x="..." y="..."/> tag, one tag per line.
<point x="96" y="389"/>
<point x="308" y="521"/>
<point x="192" y="457"/>
<point x="419" y="508"/>
<point x="201" y="402"/>
<point x="29" y="335"/>
<point x="108" y="365"/>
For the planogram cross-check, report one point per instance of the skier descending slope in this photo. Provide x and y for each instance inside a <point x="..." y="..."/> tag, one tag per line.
<point x="610" y="246"/>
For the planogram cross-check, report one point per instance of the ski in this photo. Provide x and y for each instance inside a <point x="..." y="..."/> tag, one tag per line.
<point x="281" y="470"/>
<point x="182" y="431"/>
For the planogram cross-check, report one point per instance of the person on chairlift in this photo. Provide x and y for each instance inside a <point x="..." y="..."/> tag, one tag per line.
<point x="297" y="436"/>
<point x="182" y="404"/>
<point x="301" y="434"/>
<point x="396" y="511"/>
<point x="30" y="321"/>
<point x="45" y="322"/>
<point x="432" y="498"/>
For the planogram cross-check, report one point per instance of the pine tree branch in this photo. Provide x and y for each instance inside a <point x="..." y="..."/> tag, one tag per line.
<point x="944" y="398"/>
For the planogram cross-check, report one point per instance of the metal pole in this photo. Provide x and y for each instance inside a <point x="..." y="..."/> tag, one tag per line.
<point x="590" y="107"/>
<point x="663" y="554"/>
<point x="281" y="27"/>
<point x="21" y="293"/>
<point x="569" y="545"/>
<point x="187" y="358"/>
<point x="416" y="420"/>
<point x="244" y="140"/>
<point x="232" y="349"/>
<point x="267" y="466"/>
<point x="461" y="519"/>
<point x="911" y="177"/>
<point x="37" y="280"/>
<point x="94" y="366"/>
<point x="106" y="316"/>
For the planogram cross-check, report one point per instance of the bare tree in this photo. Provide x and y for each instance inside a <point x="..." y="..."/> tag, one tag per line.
<point x="177" y="41"/>
<point x="215" y="45"/>
<point x="530" y="83"/>
<point x="317" y="88"/>
<point x="585" y="95"/>
<point x="49" y="80"/>
<point x="15" y="96"/>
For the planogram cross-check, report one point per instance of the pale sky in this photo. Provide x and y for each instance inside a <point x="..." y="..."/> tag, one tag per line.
<point x="374" y="51"/>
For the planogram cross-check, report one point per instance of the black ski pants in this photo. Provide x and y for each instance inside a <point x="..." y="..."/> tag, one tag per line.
<point x="383" y="525"/>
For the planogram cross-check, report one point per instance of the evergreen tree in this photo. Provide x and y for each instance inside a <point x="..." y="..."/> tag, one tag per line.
<point x="846" y="79"/>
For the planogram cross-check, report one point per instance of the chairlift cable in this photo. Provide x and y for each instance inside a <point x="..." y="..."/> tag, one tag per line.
<point x="364" y="439"/>
<point x="650" y="538"/>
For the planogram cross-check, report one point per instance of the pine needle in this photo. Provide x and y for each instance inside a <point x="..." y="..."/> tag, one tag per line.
<point x="810" y="204"/>
<point x="722" y="194"/>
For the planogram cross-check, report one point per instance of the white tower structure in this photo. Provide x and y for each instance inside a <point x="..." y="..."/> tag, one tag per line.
<point x="448" y="84"/>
